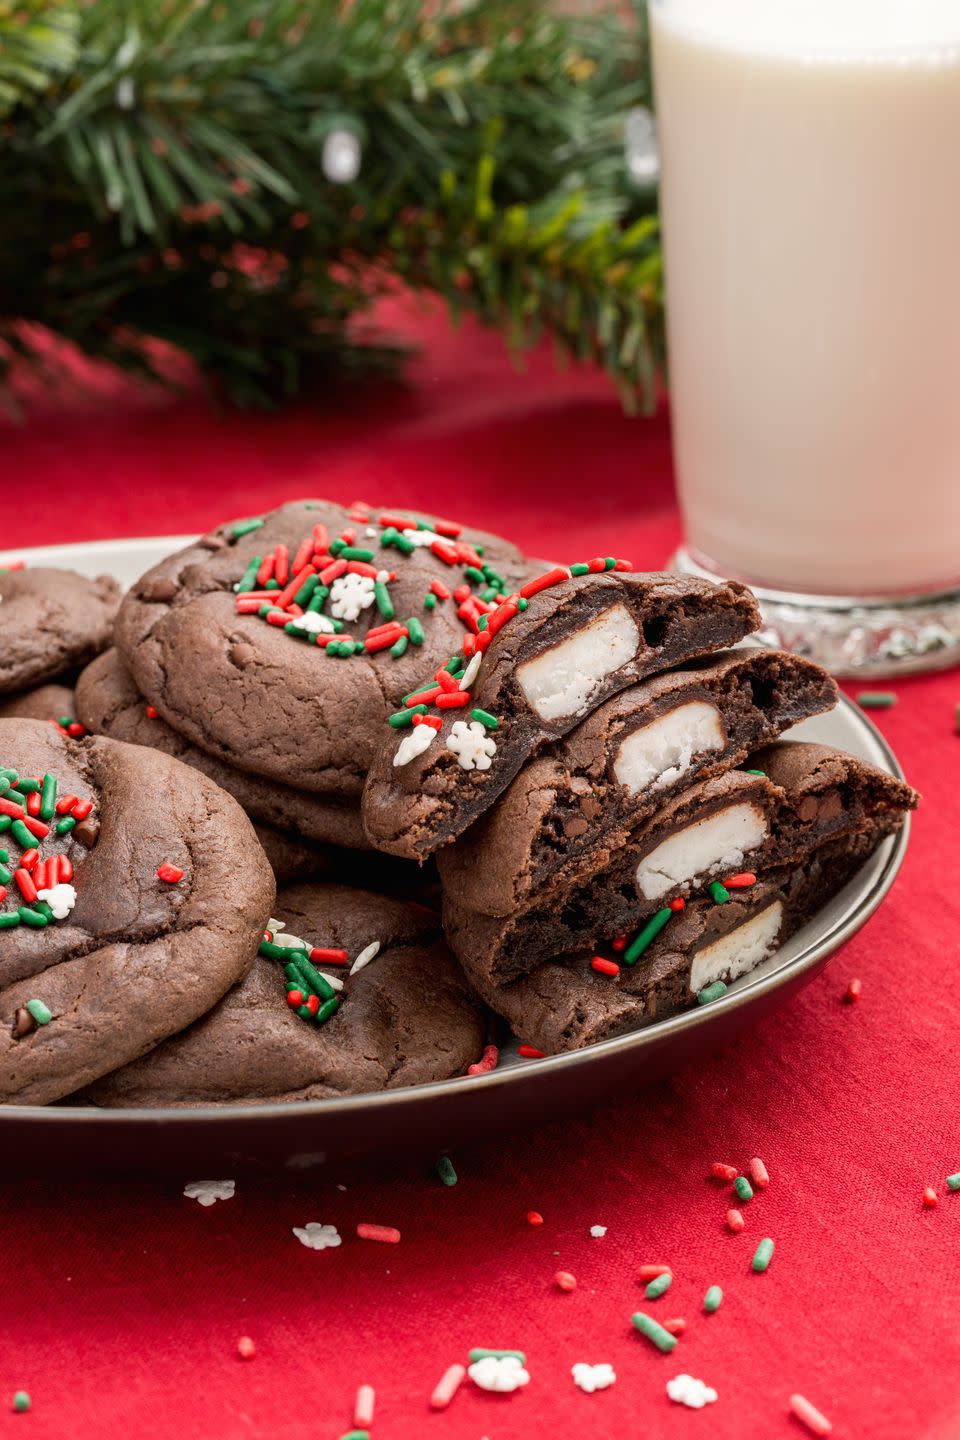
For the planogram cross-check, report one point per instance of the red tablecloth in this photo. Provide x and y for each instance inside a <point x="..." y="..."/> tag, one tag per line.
<point x="122" y="1305"/>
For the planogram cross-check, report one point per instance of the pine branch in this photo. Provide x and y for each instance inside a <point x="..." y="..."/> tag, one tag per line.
<point x="166" y="159"/>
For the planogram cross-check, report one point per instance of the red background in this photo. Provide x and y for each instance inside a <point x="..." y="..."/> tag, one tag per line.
<point x="122" y="1304"/>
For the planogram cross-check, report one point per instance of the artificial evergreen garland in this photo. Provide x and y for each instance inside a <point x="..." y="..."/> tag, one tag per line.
<point x="241" y="178"/>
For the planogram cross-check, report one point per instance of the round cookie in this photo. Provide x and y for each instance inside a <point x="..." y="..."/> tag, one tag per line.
<point x="109" y="703"/>
<point x="46" y="702"/>
<point x="51" y="622"/>
<point x="293" y="860"/>
<point x="405" y="1018"/>
<point x="301" y="699"/>
<point x="103" y="952"/>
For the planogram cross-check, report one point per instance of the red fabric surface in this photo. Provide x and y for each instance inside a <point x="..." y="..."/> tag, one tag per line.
<point x="123" y="1303"/>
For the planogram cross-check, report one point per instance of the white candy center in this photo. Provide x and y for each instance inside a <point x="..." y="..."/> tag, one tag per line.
<point x="658" y="753"/>
<point x="720" y="842"/>
<point x="562" y="680"/>
<point x="740" y="951"/>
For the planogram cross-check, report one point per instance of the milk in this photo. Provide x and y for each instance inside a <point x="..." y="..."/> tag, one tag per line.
<point x="810" y="195"/>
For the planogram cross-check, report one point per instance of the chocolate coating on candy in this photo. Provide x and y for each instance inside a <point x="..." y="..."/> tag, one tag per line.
<point x="577" y="643"/>
<point x="136" y="959"/>
<point x="51" y="622"/>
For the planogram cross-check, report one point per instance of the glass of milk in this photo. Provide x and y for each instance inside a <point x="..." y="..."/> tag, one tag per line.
<point x="810" y="197"/>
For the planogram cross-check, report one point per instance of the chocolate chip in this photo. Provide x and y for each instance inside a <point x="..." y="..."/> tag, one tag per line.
<point x="807" y="808"/>
<point x="212" y="542"/>
<point x="23" y="1023"/>
<point x="241" y="655"/>
<point x="574" y="828"/>
<point x="159" y="591"/>
<point x="87" y="832"/>
<point x="590" y="806"/>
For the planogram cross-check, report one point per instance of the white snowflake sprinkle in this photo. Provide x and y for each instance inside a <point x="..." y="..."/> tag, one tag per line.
<point x="592" y="1377"/>
<point x="598" y="1231"/>
<point x="471" y="745"/>
<point x="349" y="594"/>
<point x="61" y="898"/>
<point x="208" y="1192"/>
<point x="420" y="537"/>
<point x="420" y="738"/>
<point x="316" y="1236"/>
<point x="315" y="624"/>
<point x="365" y="956"/>
<point x="685" y="1390"/>
<point x="502" y="1373"/>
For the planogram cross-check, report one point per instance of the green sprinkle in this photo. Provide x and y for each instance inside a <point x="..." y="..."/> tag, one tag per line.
<point x="5" y="823"/>
<point x="420" y="690"/>
<point x="5" y="875"/>
<point x="477" y="576"/>
<point x="318" y="983"/>
<point x="275" y="952"/>
<point x="354" y="552"/>
<point x="719" y="893"/>
<point x="21" y="1401"/>
<point x="10" y="775"/>
<point x="328" y="1008"/>
<point x="455" y="664"/>
<point x="382" y="596"/>
<point x="446" y="1171"/>
<point x="273" y="584"/>
<point x="743" y="1188"/>
<point x="756" y="772"/>
<point x="610" y="563"/>
<point x="248" y="580"/>
<point x="304" y="1013"/>
<point x="32" y="917"/>
<point x="29" y="787"/>
<point x="400" y="719"/>
<point x="355" y="1435"/>
<point x="649" y="933"/>
<point x="482" y="622"/>
<point x="713" y="1299"/>
<point x="659" y="1286"/>
<point x="579" y="569"/>
<point x="298" y="633"/>
<point x="291" y="970"/>
<point x="478" y="1354"/>
<point x="44" y="909"/>
<point x="425" y="525"/>
<point x="711" y="992"/>
<point x="305" y="593"/>
<point x="48" y="798"/>
<point x="23" y="837"/>
<point x="5" y="783"/>
<point x="336" y="546"/>
<point x="244" y="527"/>
<point x="65" y="720"/>
<point x="65" y="825"/>
<point x="39" y="1011"/>
<point x="392" y="536"/>
<point x="953" y="1181"/>
<point x="876" y="699"/>
<point x="429" y="602"/>
<point x="486" y="719"/>
<point x="399" y="648"/>
<point x="522" y="603"/>
<point x="490" y="593"/>
<point x="648" y="1326"/>
<point x="415" y="629"/>
<point x="9" y="918"/>
<point x="319" y="598"/>
<point x="762" y="1256"/>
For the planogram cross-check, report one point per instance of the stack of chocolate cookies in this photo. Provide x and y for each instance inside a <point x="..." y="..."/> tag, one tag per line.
<point x="619" y="831"/>
<point x="324" y="699"/>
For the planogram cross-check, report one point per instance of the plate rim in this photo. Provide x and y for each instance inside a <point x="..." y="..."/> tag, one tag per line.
<point x="196" y="1117"/>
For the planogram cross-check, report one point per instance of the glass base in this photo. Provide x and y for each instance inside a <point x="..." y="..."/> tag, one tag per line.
<point x="855" y="635"/>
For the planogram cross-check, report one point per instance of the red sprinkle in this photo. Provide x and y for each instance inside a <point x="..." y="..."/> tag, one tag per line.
<point x="453" y="700"/>
<point x="386" y="1234"/>
<point x="266" y="571"/>
<point x="320" y="540"/>
<point x="152" y="712"/>
<point x="606" y="967"/>
<point x="303" y="555"/>
<point x="674" y="1327"/>
<point x="810" y="1415"/>
<point x="34" y="800"/>
<point x="29" y="858"/>
<point x="328" y="957"/>
<point x="678" y="904"/>
<point x="284" y="597"/>
<point x="529" y="1052"/>
<point x="446" y="553"/>
<point x="330" y="573"/>
<point x="543" y="582"/>
<point x="445" y="680"/>
<point x="26" y="886"/>
<point x="81" y="810"/>
<point x="719" y="1171"/>
<point x="449" y="1384"/>
<point x="534" y="1217"/>
<point x="312" y="1003"/>
<point x="438" y="588"/>
<point x="294" y="998"/>
<point x="930" y="1198"/>
<point x="735" y="1221"/>
<point x="76" y="731"/>
<point x="564" y="1280"/>
<point x="41" y="831"/>
<point x="651" y="1272"/>
<point x="758" y="1173"/>
<point x="246" y="1348"/>
<point x="461" y="593"/>
<point x="620" y="944"/>
<point x="853" y="991"/>
<point x="486" y="1063"/>
<point x="450" y="528"/>
<point x="64" y="868"/>
<point x="63" y="804"/>
<point x="171" y="874"/>
<point x="10" y="807"/>
<point x="424" y="697"/>
<point x="743" y="881"/>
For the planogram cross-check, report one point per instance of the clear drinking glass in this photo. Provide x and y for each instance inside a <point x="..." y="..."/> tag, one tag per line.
<point x="810" y="196"/>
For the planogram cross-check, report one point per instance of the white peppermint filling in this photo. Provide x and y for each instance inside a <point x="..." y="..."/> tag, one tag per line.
<point x="562" y="680"/>
<point x="739" y="951"/>
<point x="720" y="842"/>
<point x="659" y="753"/>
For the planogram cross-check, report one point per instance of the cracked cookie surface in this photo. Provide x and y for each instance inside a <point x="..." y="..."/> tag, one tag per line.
<point x="51" y="622"/>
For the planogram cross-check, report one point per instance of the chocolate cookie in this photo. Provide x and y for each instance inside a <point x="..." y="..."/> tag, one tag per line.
<point x="566" y="1004"/>
<point x="620" y="764"/>
<point x="797" y="798"/>
<point x="307" y="1024"/>
<point x="543" y="660"/>
<point x="294" y="683"/>
<point x="135" y="894"/>
<point x="109" y="703"/>
<point x="46" y="702"/>
<point x="293" y="860"/>
<point x="51" y="622"/>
